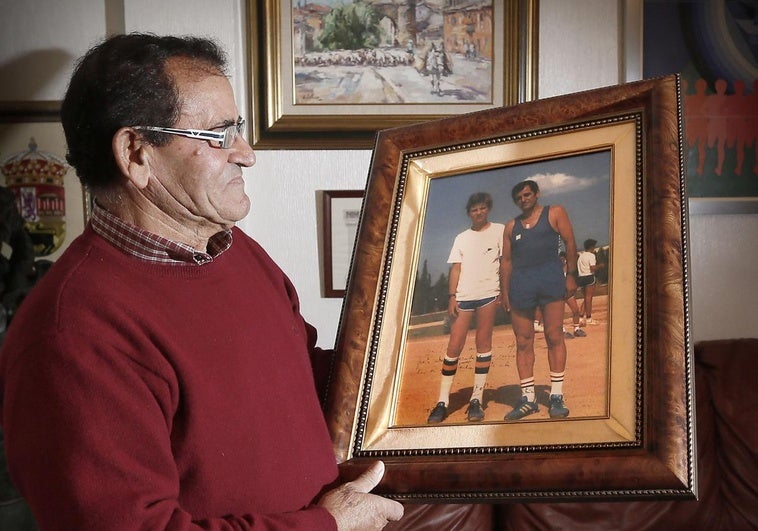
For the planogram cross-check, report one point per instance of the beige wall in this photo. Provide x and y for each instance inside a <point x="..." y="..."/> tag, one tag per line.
<point x="580" y="47"/>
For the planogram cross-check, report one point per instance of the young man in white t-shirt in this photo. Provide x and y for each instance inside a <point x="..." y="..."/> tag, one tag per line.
<point x="474" y="289"/>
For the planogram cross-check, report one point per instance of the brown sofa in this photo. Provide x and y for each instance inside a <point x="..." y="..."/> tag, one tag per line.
<point x="726" y="388"/>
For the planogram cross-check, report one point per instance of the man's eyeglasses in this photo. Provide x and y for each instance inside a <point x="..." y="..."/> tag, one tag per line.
<point x="223" y="139"/>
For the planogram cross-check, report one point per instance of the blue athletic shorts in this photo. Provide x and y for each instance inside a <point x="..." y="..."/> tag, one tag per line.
<point x="537" y="285"/>
<point x="470" y="306"/>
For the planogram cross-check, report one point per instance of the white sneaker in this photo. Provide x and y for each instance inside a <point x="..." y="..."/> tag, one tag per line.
<point x="591" y="321"/>
<point x="538" y="327"/>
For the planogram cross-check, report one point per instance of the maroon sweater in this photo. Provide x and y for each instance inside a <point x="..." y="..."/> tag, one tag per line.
<point x="141" y="396"/>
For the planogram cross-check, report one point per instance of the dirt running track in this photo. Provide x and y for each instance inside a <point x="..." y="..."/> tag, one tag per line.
<point x="585" y="386"/>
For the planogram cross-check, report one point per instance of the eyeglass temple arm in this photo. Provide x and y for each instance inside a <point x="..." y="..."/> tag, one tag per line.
<point x="192" y="133"/>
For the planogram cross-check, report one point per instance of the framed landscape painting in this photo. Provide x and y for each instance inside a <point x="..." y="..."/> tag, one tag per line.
<point x="330" y="74"/>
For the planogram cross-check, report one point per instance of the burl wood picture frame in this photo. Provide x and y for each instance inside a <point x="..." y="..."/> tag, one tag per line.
<point x="641" y="442"/>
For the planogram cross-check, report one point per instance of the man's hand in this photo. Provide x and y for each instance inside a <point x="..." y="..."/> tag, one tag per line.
<point x="354" y="508"/>
<point x="452" y="307"/>
<point x="570" y="286"/>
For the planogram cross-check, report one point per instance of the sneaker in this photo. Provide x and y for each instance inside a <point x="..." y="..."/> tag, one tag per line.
<point x="524" y="408"/>
<point x="558" y="409"/>
<point x="539" y="327"/>
<point x="580" y="333"/>
<point x="567" y="334"/>
<point x="475" y="412"/>
<point x="591" y="321"/>
<point x="438" y="414"/>
<point x="582" y="321"/>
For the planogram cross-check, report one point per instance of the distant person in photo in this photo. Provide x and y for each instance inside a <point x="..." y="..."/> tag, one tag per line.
<point x="587" y="266"/>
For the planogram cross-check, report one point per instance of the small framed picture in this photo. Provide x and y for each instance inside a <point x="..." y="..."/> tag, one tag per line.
<point x="341" y="215"/>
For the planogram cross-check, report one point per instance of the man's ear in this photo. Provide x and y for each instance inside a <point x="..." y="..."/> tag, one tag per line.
<point x="132" y="155"/>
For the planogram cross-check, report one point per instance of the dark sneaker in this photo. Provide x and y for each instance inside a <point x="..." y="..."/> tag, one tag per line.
<point x="524" y="408"/>
<point x="558" y="409"/>
<point x="438" y="414"/>
<point x="475" y="411"/>
<point x="568" y="335"/>
<point x="580" y="333"/>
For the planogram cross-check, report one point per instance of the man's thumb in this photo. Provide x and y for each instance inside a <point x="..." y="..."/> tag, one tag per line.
<point x="369" y="479"/>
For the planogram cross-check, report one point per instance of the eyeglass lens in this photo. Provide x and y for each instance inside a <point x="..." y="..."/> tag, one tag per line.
<point x="231" y="132"/>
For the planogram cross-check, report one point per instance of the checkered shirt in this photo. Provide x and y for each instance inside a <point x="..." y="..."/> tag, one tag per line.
<point x="150" y="247"/>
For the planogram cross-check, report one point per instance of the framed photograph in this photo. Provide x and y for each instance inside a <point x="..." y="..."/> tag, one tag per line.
<point x="341" y="212"/>
<point x="712" y="46"/>
<point x="51" y="199"/>
<point x="612" y="158"/>
<point x="331" y="74"/>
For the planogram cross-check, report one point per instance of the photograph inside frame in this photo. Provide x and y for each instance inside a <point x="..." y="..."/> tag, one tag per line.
<point x="590" y="172"/>
<point x="580" y="184"/>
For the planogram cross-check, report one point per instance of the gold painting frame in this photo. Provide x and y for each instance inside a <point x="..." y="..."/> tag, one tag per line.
<point x="278" y="123"/>
<point x="645" y="446"/>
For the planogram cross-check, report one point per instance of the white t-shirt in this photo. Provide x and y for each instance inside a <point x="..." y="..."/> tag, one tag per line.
<point x="479" y="254"/>
<point x="584" y="263"/>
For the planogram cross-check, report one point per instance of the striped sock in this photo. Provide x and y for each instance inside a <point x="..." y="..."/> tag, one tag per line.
<point x="449" y="368"/>
<point x="556" y="382"/>
<point x="527" y="388"/>
<point x="483" y="361"/>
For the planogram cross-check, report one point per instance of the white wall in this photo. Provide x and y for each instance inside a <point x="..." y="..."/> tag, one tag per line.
<point x="579" y="48"/>
<point x="39" y="42"/>
<point x="724" y="254"/>
<point x="570" y="60"/>
<point x="283" y="188"/>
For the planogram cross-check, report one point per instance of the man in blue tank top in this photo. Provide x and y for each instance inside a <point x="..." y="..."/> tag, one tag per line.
<point x="531" y="275"/>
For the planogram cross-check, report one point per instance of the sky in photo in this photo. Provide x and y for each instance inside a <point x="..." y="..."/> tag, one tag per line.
<point x="581" y="183"/>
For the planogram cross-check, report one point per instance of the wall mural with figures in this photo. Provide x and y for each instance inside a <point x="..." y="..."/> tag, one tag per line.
<point x="713" y="44"/>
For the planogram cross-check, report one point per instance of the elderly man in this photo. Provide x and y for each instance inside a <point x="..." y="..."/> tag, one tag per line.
<point x="160" y="375"/>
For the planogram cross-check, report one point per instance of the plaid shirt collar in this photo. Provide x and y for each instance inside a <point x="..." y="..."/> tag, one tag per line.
<point x="150" y="247"/>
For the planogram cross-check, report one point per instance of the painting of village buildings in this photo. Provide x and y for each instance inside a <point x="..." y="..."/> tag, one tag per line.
<point x="393" y="51"/>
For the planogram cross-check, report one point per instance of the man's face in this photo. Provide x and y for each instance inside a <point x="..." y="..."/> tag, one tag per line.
<point x="478" y="213"/>
<point x="526" y="199"/>
<point x="199" y="185"/>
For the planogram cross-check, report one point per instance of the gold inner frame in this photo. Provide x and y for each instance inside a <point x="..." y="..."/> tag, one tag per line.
<point x="620" y="426"/>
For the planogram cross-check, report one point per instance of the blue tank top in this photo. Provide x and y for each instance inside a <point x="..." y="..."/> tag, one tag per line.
<point x="536" y="246"/>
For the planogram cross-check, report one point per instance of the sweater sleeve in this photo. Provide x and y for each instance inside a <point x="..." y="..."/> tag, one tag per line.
<point x="100" y="463"/>
<point x="321" y="362"/>
<point x="321" y="359"/>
